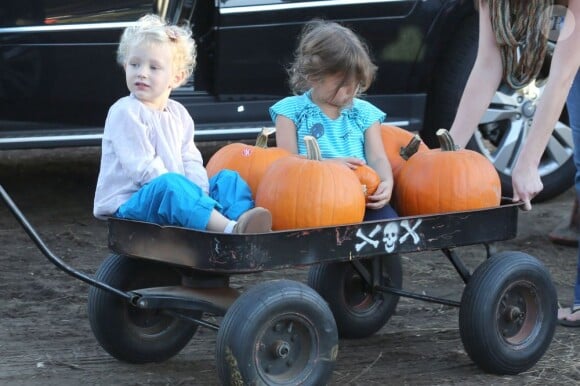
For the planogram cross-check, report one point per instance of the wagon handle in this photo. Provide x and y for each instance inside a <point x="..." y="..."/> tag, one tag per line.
<point x="51" y="256"/>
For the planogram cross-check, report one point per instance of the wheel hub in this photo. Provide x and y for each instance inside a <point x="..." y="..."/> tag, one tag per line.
<point x="505" y="125"/>
<point x="284" y="349"/>
<point x="359" y="294"/>
<point x="281" y="349"/>
<point x="517" y="313"/>
<point x="511" y="313"/>
<point x="529" y="109"/>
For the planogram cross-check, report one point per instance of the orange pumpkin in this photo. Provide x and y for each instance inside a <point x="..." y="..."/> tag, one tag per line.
<point x="446" y="180"/>
<point x="368" y="178"/>
<point x="249" y="161"/>
<point x="303" y="192"/>
<point x="400" y="145"/>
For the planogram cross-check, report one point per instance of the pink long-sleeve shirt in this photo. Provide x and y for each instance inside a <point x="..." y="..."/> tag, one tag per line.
<point x="140" y="144"/>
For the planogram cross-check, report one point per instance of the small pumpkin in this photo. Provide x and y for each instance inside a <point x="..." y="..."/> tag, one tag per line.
<point x="400" y="145"/>
<point x="304" y="192"/>
<point x="446" y="180"/>
<point x="249" y="161"/>
<point x="369" y="179"/>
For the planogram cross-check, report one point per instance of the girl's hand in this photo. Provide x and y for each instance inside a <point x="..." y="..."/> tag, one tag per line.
<point x="526" y="184"/>
<point x="381" y="197"/>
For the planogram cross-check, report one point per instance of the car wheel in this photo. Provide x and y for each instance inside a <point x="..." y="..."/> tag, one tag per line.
<point x="505" y="124"/>
<point x="501" y="134"/>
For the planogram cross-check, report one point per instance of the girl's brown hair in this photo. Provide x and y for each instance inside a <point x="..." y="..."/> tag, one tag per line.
<point x="523" y="25"/>
<point x="328" y="48"/>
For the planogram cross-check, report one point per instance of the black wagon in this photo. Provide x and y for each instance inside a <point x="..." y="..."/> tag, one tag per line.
<point x="161" y="283"/>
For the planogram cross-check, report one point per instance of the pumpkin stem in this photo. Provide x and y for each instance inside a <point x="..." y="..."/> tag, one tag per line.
<point x="312" y="148"/>
<point x="446" y="141"/>
<point x="412" y="147"/>
<point x="262" y="139"/>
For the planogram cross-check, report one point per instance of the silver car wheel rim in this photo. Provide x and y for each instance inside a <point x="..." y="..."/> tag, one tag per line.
<point x="506" y="124"/>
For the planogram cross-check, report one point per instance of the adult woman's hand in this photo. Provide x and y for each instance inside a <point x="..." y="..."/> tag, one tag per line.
<point x="526" y="183"/>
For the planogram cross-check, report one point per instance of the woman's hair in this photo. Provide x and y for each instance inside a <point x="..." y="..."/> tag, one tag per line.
<point x="327" y="48"/>
<point x="523" y="25"/>
<point x="152" y="29"/>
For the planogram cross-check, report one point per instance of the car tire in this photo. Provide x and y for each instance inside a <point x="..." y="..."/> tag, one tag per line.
<point x="504" y="126"/>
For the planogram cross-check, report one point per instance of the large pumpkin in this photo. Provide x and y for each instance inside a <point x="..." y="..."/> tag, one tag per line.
<point x="446" y="180"/>
<point x="400" y="145"/>
<point x="249" y="161"/>
<point x="303" y="192"/>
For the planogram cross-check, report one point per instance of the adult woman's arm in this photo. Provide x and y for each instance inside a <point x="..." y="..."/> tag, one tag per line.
<point x="565" y="63"/>
<point x="482" y="83"/>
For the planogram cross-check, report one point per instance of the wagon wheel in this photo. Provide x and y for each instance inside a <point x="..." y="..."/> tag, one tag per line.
<point x="277" y="333"/>
<point x="358" y="308"/>
<point x="508" y="313"/>
<point x="126" y="332"/>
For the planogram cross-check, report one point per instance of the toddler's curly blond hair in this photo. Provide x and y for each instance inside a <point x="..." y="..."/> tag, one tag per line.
<point x="153" y="29"/>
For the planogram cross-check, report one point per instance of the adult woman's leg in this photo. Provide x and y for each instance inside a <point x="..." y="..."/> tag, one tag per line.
<point x="573" y="106"/>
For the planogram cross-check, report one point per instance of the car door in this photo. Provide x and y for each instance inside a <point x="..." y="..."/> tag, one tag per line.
<point x="256" y="40"/>
<point x="57" y="58"/>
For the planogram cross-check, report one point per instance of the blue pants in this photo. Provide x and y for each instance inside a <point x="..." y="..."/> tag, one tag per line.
<point x="386" y="212"/>
<point x="573" y="106"/>
<point x="172" y="199"/>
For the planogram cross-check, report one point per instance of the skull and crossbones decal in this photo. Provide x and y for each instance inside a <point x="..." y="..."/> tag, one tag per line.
<point x="390" y="235"/>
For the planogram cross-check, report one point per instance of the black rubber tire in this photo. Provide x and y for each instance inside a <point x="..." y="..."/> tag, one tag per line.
<point x="452" y="72"/>
<point x="277" y="333"/>
<point x="359" y="310"/>
<point x="126" y="332"/>
<point x="507" y="316"/>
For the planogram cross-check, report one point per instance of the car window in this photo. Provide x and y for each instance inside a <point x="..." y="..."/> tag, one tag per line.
<point x="24" y="13"/>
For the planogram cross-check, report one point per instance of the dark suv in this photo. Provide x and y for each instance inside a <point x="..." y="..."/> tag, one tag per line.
<point x="58" y="74"/>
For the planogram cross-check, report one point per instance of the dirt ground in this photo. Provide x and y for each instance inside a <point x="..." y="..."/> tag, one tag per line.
<point x="45" y="338"/>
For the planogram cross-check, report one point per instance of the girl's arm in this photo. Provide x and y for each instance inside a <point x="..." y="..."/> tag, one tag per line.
<point x="483" y="82"/>
<point x="377" y="159"/>
<point x="565" y="63"/>
<point x="286" y="134"/>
